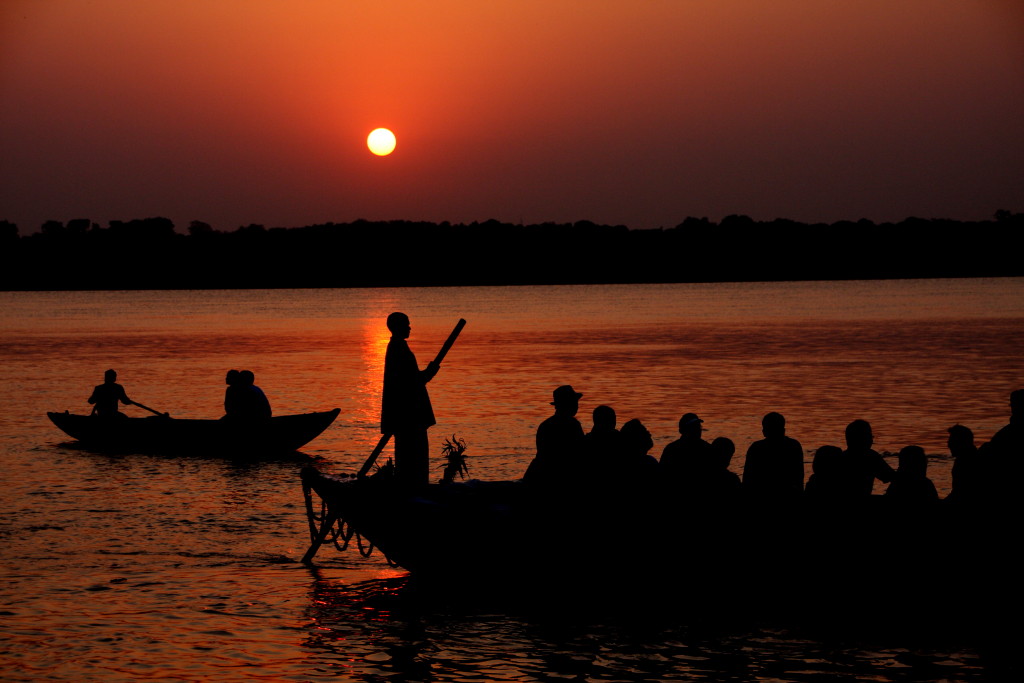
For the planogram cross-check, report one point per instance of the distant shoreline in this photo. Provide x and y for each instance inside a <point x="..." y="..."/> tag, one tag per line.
<point x="534" y="284"/>
<point x="148" y="254"/>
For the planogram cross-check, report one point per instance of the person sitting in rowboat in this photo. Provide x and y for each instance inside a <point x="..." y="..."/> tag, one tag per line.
<point x="234" y="401"/>
<point x="255" y="405"/>
<point x="105" y="397"/>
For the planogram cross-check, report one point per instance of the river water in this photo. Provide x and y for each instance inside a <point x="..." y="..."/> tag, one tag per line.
<point x="180" y="567"/>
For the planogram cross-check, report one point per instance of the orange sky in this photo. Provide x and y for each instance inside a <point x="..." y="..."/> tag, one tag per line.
<point x="640" y="113"/>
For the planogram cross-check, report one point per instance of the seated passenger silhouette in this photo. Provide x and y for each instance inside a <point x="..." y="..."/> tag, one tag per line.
<point x="969" y="475"/>
<point x="602" y="449"/>
<point x="1004" y="456"/>
<point x="723" y="483"/>
<point x="106" y="396"/>
<point x="255" y="405"/>
<point x="687" y="461"/>
<point x="634" y="472"/>
<point x="826" y="482"/>
<point x="636" y="462"/>
<point x="559" y="442"/>
<point x="910" y="484"/>
<point x="603" y="440"/>
<point x="861" y="464"/>
<point x="774" y="466"/>
<point x="1011" y="437"/>
<point x="234" y="400"/>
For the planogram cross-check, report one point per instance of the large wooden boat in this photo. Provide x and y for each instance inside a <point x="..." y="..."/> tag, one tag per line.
<point x="425" y="532"/>
<point x="837" y="557"/>
<point x="278" y="434"/>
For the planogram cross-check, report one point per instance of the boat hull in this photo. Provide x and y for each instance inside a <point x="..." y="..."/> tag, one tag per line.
<point x="832" y="558"/>
<point x="280" y="434"/>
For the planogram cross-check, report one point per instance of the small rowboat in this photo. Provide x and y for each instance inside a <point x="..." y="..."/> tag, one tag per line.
<point x="279" y="434"/>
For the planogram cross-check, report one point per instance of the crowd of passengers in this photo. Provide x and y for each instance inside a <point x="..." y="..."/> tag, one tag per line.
<point x="696" y="469"/>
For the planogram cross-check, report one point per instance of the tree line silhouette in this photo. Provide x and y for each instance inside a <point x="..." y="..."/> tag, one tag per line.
<point x="150" y="253"/>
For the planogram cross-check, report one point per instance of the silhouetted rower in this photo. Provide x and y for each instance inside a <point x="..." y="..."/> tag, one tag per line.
<point x="559" y="441"/>
<point x="106" y="396"/>
<point x="774" y="466"/>
<point x="405" y="405"/>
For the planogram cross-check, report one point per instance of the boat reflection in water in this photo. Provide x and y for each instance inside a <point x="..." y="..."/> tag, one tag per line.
<point x="399" y="629"/>
<point x="803" y="565"/>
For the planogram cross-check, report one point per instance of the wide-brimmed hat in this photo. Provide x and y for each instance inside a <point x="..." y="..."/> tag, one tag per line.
<point x="564" y="394"/>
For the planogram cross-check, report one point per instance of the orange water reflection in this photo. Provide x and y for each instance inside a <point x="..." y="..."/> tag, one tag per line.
<point x="912" y="358"/>
<point x="185" y="567"/>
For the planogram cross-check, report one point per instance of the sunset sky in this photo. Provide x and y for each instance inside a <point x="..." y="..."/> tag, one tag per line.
<point x="635" y="112"/>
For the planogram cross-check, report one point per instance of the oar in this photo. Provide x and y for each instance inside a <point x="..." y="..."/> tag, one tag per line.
<point x="437" y="362"/>
<point x="155" y="412"/>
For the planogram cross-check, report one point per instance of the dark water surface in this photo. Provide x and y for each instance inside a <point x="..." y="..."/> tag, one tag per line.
<point x="133" y="566"/>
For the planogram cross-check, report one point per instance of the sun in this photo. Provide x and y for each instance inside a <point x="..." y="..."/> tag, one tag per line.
<point x="381" y="142"/>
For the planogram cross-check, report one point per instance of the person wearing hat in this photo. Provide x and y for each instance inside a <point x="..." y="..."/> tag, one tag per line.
<point x="405" y="404"/>
<point x="559" y="441"/>
<point x="688" y="461"/>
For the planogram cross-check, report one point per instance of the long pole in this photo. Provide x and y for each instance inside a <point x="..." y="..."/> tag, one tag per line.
<point x="384" y="438"/>
<point x="445" y="348"/>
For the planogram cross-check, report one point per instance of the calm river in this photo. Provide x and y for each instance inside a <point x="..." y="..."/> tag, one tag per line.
<point x="126" y="567"/>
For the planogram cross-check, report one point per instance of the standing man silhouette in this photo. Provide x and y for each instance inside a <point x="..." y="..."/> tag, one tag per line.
<point x="405" y="405"/>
